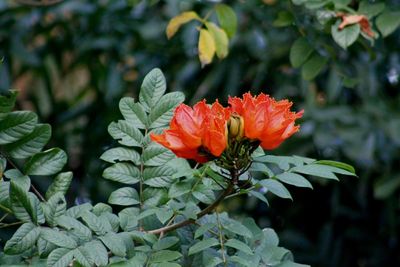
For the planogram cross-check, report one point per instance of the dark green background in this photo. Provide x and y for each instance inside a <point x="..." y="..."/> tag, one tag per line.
<point x="72" y="62"/>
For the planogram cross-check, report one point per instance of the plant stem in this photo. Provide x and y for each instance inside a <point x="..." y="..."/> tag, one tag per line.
<point x="141" y="184"/>
<point x="5" y="209"/>
<point x="4" y="225"/>
<point x="221" y="241"/>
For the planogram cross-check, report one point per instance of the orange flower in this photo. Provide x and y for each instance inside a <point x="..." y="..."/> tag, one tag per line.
<point x="348" y="19"/>
<point x="265" y="119"/>
<point x="196" y="133"/>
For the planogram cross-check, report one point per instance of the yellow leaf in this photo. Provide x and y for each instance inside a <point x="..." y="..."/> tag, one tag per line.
<point x="206" y="47"/>
<point x="176" y="22"/>
<point x="220" y="38"/>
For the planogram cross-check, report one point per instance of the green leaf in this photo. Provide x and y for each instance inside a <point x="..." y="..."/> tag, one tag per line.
<point x="54" y="208"/>
<point x="44" y="247"/>
<point x="114" y="243"/>
<point x="122" y="172"/>
<point x="220" y="39"/>
<point x="7" y="101"/>
<point x="134" y="113"/>
<point x="25" y="205"/>
<point x="30" y="144"/>
<point x="83" y="257"/>
<point x="60" y="257"/>
<point x="236" y="227"/>
<point x="158" y="176"/>
<point x="259" y="196"/>
<point x="78" y="210"/>
<point x="300" y="52"/>
<point x="313" y="66"/>
<point x="276" y="188"/>
<point x="161" y="114"/>
<point x="121" y="154"/>
<point x="388" y="22"/>
<point x="153" y="87"/>
<point x="46" y="163"/>
<point x="165" y="256"/>
<point x="202" y="245"/>
<point x="128" y="219"/>
<point x="204" y="194"/>
<point x="124" y="196"/>
<point x="239" y="245"/>
<point x="294" y="179"/>
<point x="101" y="208"/>
<point x="284" y="19"/>
<point x="94" y="223"/>
<point x="57" y="238"/>
<point x="203" y="229"/>
<point x="178" y="189"/>
<point x="23" y="239"/>
<point x="156" y="155"/>
<point x="22" y="180"/>
<point x="165" y="242"/>
<point x="337" y="164"/>
<point x="164" y="214"/>
<point x="320" y="170"/>
<point x="291" y="264"/>
<point x="227" y="19"/>
<point x="347" y="36"/>
<point x="125" y="133"/>
<point x="16" y="125"/>
<point x="96" y="251"/>
<point x="60" y="184"/>
<point x="139" y="260"/>
<point x="371" y="10"/>
<point x="74" y="227"/>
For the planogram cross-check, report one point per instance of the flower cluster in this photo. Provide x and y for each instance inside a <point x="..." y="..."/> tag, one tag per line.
<point x="208" y="132"/>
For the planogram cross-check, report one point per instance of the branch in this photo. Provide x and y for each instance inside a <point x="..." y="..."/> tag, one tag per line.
<point x="205" y="211"/>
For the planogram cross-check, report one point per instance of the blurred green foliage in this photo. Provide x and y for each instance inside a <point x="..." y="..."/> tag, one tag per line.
<point x="74" y="60"/>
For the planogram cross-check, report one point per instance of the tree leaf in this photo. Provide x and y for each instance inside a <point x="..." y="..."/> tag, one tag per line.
<point x="347" y="36"/>
<point x="156" y="155"/>
<point x="114" y="243"/>
<point x="227" y="19"/>
<point x="54" y="208"/>
<point x="202" y="245"/>
<point x="294" y="179"/>
<point x="160" y="115"/>
<point x="339" y="165"/>
<point x="125" y="133"/>
<point x="25" y="205"/>
<point x="300" y="52"/>
<point x="158" y="176"/>
<point x="31" y="143"/>
<point x="121" y="154"/>
<point x="128" y="219"/>
<point x="203" y="229"/>
<point x="124" y="196"/>
<point x="388" y="22"/>
<point x="23" y="239"/>
<point x="46" y="163"/>
<point x="134" y="113"/>
<point x="220" y="38"/>
<point x="7" y="101"/>
<point x="206" y="47"/>
<point x="176" y="22"/>
<point x="236" y="227"/>
<point x="164" y="214"/>
<point x="74" y="227"/>
<point x="60" y="257"/>
<point x="239" y="245"/>
<point x="153" y="88"/>
<point x="16" y="125"/>
<point x="96" y="251"/>
<point x="313" y="66"/>
<point x="276" y="188"/>
<point x="124" y="173"/>
<point x="165" y="256"/>
<point x="94" y="223"/>
<point x="371" y="10"/>
<point x="60" y="184"/>
<point x="165" y="242"/>
<point x="57" y="238"/>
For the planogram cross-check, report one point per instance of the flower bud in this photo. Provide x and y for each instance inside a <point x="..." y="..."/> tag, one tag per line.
<point x="235" y="126"/>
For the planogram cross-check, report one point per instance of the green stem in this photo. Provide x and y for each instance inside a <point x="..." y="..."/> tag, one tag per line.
<point x="5" y="209"/>
<point x="221" y="241"/>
